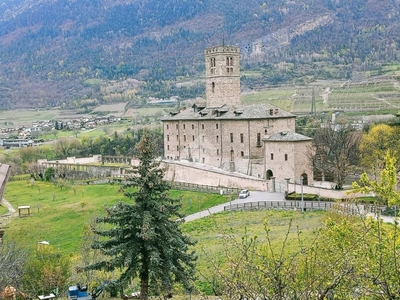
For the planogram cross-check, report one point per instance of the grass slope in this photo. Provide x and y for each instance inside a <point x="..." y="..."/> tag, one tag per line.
<point x="58" y="215"/>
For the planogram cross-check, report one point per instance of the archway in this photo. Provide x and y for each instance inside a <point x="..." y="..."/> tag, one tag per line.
<point x="304" y="177"/>
<point x="269" y="174"/>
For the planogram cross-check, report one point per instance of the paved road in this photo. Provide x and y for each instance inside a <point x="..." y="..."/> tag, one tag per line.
<point x="254" y="197"/>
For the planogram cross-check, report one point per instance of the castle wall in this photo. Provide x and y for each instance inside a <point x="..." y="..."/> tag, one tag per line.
<point x="288" y="160"/>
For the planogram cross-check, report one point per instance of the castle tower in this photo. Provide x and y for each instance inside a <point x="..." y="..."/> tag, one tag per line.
<point x="222" y="75"/>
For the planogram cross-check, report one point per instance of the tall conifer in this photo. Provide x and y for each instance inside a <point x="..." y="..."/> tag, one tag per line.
<point x="142" y="236"/>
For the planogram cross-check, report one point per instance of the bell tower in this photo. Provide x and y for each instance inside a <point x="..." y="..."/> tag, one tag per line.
<point x="222" y="75"/>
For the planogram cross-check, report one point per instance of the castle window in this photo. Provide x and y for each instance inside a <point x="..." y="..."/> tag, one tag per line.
<point x="286" y="157"/>
<point x="272" y="156"/>
<point x="202" y="138"/>
<point x="241" y="138"/>
<point x="258" y="139"/>
<point x="177" y="148"/>
<point x="216" y="126"/>
<point x="229" y="65"/>
<point x="241" y="153"/>
<point x="204" y="160"/>
<point x="184" y="126"/>
<point x="204" y="150"/>
<point x="167" y="147"/>
<point x="193" y="138"/>
<point x="213" y="87"/>
<point x="184" y="138"/>
<point x="217" y="151"/>
<point x="192" y="126"/>
<point x="231" y="137"/>
<point x="202" y="126"/>
<point x="212" y="65"/>
<point x="167" y="137"/>
<point x="217" y="138"/>
<point x="167" y="126"/>
<point x="177" y="126"/>
<point x="177" y="137"/>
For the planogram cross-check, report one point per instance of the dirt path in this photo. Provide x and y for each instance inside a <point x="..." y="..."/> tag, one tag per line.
<point x="6" y="218"/>
<point x="9" y="206"/>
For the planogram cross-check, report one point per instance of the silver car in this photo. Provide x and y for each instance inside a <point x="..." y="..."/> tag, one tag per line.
<point x="244" y="194"/>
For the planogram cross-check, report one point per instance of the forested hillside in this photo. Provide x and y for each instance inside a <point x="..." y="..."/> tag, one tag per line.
<point x="66" y="53"/>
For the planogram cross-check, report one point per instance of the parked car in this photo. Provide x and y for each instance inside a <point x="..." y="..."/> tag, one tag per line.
<point x="244" y="194"/>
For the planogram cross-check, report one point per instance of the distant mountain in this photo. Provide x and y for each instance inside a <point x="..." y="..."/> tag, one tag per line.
<point x="69" y="52"/>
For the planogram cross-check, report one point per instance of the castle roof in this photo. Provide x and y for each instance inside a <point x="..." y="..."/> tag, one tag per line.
<point x="287" y="136"/>
<point x="226" y="112"/>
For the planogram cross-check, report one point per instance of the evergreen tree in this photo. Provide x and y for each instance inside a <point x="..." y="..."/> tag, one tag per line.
<point x="143" y="237"/>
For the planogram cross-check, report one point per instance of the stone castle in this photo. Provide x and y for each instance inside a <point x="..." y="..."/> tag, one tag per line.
<point x="257" y="140"/>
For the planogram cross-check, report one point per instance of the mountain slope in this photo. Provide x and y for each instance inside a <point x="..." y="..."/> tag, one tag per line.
<point x="59" y="52"/>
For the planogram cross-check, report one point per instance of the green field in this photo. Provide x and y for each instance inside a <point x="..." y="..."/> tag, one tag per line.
<point x="58" y="215"/>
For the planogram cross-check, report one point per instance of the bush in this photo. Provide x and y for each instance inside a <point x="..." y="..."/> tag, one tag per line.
<point x="49" y="174"/>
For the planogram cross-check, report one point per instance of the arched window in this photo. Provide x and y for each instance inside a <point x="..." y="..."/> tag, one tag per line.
<point x="269" y="174"/>
<point x="304" y="179"/>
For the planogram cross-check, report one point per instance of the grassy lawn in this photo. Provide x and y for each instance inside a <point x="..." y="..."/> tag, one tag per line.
<point x="58" y="215"/>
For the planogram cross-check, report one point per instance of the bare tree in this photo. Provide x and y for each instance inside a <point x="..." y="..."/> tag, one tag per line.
<point x="335" y="151"/>
<point x="12" y="265"/>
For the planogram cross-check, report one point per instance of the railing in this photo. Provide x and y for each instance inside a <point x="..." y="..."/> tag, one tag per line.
<point x="349" y="208"/>
<point x="308" y="205"/>
<point x="203" y="188"/>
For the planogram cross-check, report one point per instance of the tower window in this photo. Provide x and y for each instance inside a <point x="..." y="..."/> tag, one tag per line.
<point x="177" y="126"/>
<point x="241" y="138"/>
<point x="184" y="126"/>
<point x="167" y="147"/>
<point x="193" y="138"/>
<point x="217" y="151"/>
<point x="167" y="137"/>
<point x="184" y="138"/>
<point x="231" y="137"/>
<point x="272" y="156"/>
<point x="177" y="137"/>
<point x="241" y="153"/>
<point x="192" y="126"/>
<point x="213" y="87"/>
<point x="216" y="126"/>
<point x="217" y="138"/>
<point x="229" y="65"/>
<point x="167" y="126"/>
<point x="286" y="157"/>
<point x="212" y="65"/>
<point x="202" y="126"/>
<point x="258" y="139"/>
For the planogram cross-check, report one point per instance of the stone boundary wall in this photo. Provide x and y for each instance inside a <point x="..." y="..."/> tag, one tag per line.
<point x="205" y="175"/>
<point x="176" y="171"/>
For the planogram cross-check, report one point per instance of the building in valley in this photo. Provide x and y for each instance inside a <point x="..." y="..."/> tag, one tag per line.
<point x="257" y="140"/>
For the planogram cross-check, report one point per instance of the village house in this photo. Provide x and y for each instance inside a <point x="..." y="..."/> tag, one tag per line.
<point x="257" y="140"/>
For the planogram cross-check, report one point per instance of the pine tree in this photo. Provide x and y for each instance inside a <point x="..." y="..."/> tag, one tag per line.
<point x="143" y="236"/>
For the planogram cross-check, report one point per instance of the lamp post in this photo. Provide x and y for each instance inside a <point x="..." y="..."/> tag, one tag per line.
<point x="302" y="197"/>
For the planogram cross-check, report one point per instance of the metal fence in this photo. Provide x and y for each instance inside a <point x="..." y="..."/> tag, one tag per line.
<point x="203" y="188"/>
<point x="308" y="205"/>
